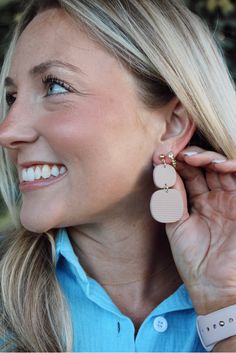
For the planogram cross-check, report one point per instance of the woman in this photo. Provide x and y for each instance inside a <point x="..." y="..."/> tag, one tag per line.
<point x="96" y="94"/>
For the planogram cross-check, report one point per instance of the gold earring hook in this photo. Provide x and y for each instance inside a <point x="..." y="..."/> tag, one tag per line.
<point x="171" y="156"/>
<point x="162" y="158"/>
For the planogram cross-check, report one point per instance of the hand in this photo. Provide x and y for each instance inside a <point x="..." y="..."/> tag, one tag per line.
<point x="203" y="241"/>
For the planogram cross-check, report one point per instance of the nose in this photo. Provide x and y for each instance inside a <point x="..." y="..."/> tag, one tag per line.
<point x="15" y="131"/>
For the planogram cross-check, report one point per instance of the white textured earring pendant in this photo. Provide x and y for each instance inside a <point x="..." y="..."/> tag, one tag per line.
<point x="166" y="205"/>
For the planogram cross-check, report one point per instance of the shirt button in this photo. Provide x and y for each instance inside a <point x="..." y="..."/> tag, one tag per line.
<point x="160" y="324"/>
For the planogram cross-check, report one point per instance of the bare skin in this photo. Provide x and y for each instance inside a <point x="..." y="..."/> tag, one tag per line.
<point x="106" y="138"/>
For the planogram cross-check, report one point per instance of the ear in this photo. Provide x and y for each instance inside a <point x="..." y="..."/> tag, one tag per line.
<point x="178" y="129"/>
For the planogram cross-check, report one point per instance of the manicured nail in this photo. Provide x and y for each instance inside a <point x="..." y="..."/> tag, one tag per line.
<point x="190" y="153"/>
<point x="215" y="161"/>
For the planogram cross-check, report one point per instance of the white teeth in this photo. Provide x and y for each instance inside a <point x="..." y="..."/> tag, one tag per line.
<point x="30" y="174"/>
<point x="62" y="170"/>
<point x="55" y="171"/>
<point x="37" y="173"/>
<point x="24" y="175"/>
<point x="41" y="171"/>
<point x="46" y="172"/>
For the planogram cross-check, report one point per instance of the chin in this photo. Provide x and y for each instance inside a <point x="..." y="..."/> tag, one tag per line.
<point x="39" y="221"/>
<point x="35" y="225"/>
<point x="34" y="228"/>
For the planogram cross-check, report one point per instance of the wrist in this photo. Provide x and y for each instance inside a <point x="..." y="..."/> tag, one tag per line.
<point x="208" y="299"/>
<point x="211" y="306"/>
<point x="227" y="345"/>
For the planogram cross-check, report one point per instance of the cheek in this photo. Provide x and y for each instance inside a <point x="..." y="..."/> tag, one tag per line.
<point x="98" y="144"/>
<point x="88" y="127"/>
<point x="13" y="155"/>
<point x="70" y="129"/>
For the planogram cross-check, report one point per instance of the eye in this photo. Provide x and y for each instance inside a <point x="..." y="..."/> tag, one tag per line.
<point x="10" y="99"/>
<point x="55" y="86"/>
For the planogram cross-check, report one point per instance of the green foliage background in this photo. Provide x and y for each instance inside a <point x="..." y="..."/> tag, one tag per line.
<point x="220" y="15"/>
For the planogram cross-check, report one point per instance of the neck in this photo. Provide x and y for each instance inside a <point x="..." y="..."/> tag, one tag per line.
<point x="130" y="255"/>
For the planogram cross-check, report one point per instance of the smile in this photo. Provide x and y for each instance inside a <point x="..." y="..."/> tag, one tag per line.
<point x="39" y="176"/>
<point x="44" y="171"/>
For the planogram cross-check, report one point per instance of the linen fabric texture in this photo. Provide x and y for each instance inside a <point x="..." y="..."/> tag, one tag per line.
<point x="99" y="325"/>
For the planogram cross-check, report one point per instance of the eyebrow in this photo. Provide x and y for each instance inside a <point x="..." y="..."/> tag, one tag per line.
<point x="43" y="67"/>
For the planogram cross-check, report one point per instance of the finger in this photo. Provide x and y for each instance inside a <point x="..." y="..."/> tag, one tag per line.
<point x="227" y="181"/>
<point x="225" y="167"/>
<point x="200" y="157"/>
<point x="194" y="179"/>
<point x="223" y="175"/>
<point x="210" y="160"/>
<point x="198" y="150"/>
<point x="213" y="182"/>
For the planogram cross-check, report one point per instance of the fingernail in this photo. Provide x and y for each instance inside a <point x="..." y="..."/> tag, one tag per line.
<point x="218" y="161"/>
<point x="190" y="153"/>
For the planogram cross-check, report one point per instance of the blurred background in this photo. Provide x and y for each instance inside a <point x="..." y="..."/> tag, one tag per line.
<point x="220" y="15"/>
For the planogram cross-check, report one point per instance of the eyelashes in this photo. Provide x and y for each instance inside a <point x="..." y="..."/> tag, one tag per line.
<point x="51" y="81"/>
<point x="53" y="86"/>
<point x="10" y="99"/>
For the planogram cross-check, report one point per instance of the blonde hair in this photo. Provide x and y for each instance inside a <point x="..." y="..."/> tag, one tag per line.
<point x="170" y="52"/>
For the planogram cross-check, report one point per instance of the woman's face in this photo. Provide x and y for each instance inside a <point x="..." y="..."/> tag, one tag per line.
<point x="75" y="106"/>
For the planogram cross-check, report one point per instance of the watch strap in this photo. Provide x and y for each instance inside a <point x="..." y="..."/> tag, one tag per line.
<point x="216" y="326"/>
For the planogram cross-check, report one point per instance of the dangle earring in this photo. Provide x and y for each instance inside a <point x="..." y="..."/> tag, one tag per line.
<point x="166" y="205"/>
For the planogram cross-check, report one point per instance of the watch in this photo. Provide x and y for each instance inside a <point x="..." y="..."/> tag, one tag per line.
<point x="216" y="326"/>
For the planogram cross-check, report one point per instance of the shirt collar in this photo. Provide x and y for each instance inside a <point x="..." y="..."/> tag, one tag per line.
<point x="65" y="249"/>
<point x="179" y="300"/>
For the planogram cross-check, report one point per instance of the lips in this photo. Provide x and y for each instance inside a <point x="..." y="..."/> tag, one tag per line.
<point x="25" y="186"/>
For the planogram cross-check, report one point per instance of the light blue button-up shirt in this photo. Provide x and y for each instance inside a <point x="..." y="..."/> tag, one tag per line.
<point x="98" y="324"/>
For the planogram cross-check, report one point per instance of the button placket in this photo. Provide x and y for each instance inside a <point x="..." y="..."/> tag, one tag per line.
<point x="118" y="327"/>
